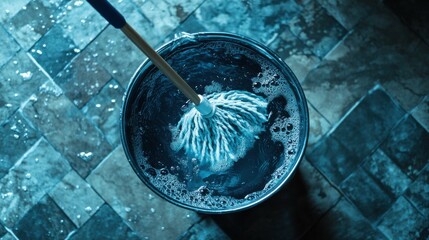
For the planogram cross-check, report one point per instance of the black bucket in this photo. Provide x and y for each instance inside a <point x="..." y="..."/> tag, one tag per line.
<point x="212" y="62"/>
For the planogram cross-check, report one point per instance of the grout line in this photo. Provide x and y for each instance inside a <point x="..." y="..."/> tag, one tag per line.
<point x="39" y="66"/>
<point x="11" y="232"/>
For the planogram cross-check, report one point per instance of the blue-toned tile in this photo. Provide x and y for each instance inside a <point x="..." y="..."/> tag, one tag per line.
<point x="28" y="180"/>
<point x="349" y="12"/>
<point x="288" y="214"/>
<point x="166" y="15"/>
<point x="317" y="29"/>
<point x="54" y="50"/>
<point x="82" y="79"/>
<point x="205" y="229"/>
<point x="10" y="8"/>
<point x="369" y="123"/>
<point x="2" y="231"/>
<point x="403" y="221"/>
<point x="44" y="221"/>
<point x="133" y="12"/>
<point x="19" y="79"/>
<point x="319" y="126"/>
<point x="418" y="192"/>
<point x="343" y="221"/>
<point x="81" y="23"/>
<point x="319" y="192"/>
<point x="8" y="236"/>
<point x="116" y="54"/>
<point x="333" y="159"/>
<point x="8" y="46"/>
<point x="421" y="113"/>
<point x="83" y="145"/>
<point x="104" y="110"/>
<point x="16" y="132"/>
<point x="76" y="198"/>
<point x="260" y="20"/>
<point x="386" y="173"/>
<point x="294" y="53"/>
<point x="33" y="21"/>
<point x="407" y="146"/>
<point x="190" y="25"/>
<point x="162" y="220"/>
<point x="105" y="224"/>
<point x="365" y="193"/>
<point x="375" y="52"/>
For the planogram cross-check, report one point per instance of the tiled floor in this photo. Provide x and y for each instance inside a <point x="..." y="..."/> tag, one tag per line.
<point x="63" y="71"/>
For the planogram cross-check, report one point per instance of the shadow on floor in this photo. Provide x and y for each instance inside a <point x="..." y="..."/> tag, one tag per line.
<point x="289" y="214"/>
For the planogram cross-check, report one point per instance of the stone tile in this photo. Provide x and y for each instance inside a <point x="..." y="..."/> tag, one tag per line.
<point x="406" y="74"/>
<point x="418" y="192"/>
<point x="289" y="213"/>
<point x="260" y="20"/>
<point x="295" y="53"/>
<point x="319" y="191"/>
<point x="407" y="146"/>
<point x="54" y="50"/>
<point x="81" y="23"/>
<point x="333" y="159"/>
<point x="379" y="50"/>
<point x="19" y="79"/>
<point x="31" y="177"/>
<point x="349" y="12"/>
<point x="16" y="132"/>
<point x="364" y="192"/>
<point x="33" y="21"/>
<point x="343" y="222"/>
<point x="368" y="123"/>
<point x="104" y="110"/>
<point x="147" y="214"/>
<point x="9" y="46"/>
<point x="82" y="144"/>
<point x="116" y="54"/>
<point x="165" y="16"/>
<point x="76" y="198"/>
<point x="317" y="29"/>
<point x="82" y="78"/>
<point x="421" y="113"/>
<point x="386" y="173"/>
<point x="133" y="13"/>
<point x="7" y="236"/>
<point x="403" y="221"/>
<point x="105" y="224"/>
<point x="205" y="229"/>
<point x="2" y="231"/>
<point x="44" y="221"/>
<point x="190" y="25"/>
<point x="319" y="126"/>
<point x="10" y="8"/>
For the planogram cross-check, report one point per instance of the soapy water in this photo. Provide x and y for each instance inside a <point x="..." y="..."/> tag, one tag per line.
<point x="213" y="67"/>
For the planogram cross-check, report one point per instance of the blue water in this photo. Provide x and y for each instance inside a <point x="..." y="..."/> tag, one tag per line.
<point x="159" y="106"/>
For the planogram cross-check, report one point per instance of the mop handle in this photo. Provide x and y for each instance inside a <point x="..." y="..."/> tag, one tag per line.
<point x="118" y="21"/>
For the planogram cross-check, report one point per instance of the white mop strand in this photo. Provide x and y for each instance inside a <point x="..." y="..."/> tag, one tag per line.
<point x="225" y="137"/>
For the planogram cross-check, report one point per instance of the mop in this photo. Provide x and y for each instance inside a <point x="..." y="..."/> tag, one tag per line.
<point x="221" y="127"/>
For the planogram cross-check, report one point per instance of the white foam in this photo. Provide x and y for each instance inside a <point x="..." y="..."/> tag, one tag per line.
<point x="270" y="83"/>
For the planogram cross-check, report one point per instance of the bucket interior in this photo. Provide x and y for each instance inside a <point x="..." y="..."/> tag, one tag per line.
<point x="213" y="62"/>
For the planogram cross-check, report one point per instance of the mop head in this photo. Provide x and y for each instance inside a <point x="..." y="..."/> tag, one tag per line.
<point x="224" y="137"/>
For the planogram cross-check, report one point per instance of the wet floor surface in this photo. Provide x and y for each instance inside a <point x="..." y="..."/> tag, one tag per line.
<point x="363" y="68"/>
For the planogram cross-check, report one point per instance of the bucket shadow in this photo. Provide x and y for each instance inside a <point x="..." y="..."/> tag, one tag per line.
<point x="288" y="214"/>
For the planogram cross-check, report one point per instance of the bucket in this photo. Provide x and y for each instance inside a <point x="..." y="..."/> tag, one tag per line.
<point x="213" y="62"/>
